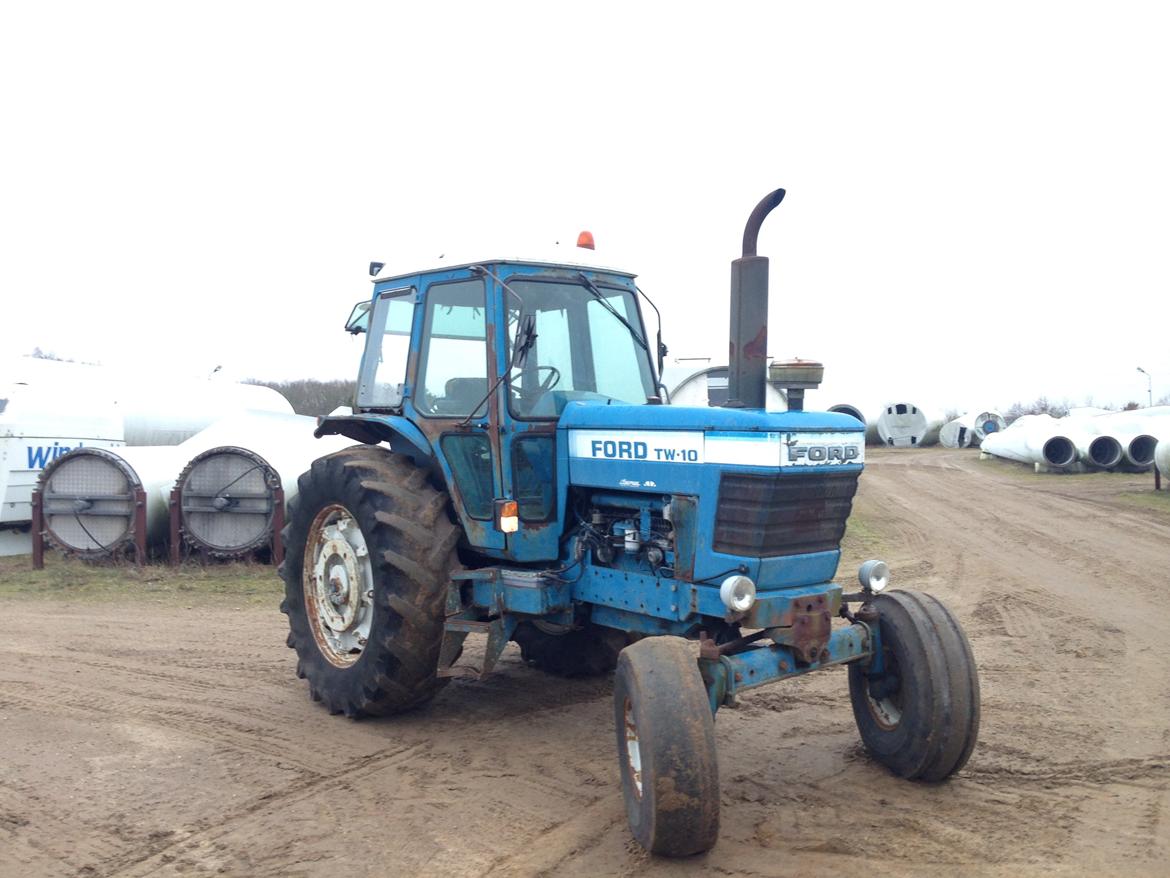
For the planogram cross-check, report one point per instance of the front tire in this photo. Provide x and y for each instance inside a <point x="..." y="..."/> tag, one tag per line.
<point x="666" y="748"/>
<point x="920" y="718"/>
<point x="369" y="550"/>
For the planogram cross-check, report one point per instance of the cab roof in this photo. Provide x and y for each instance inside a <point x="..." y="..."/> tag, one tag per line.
<point x="557" y="260"/>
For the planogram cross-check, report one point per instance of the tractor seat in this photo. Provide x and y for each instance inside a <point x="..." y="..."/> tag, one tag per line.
<point x="461" y="395"/>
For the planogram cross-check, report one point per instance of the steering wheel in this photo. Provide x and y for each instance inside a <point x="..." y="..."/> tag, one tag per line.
<point x="529" y="401"/>
<point x="553" y="379"/>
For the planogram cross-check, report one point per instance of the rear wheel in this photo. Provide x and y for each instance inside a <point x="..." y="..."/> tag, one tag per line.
<point x="369" y="550"/>
<point x="666" y="748"/>
<point x="570" y="652"/>
<point x="920" y="715"/>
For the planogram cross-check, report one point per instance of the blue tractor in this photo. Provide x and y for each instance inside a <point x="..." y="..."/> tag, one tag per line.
<point x="519" y="478"/>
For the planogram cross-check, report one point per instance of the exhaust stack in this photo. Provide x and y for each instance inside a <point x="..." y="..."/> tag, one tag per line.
<point x="748" y="344"/>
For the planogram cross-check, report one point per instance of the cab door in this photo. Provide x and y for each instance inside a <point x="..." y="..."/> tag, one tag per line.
<point x="451" y="398"/>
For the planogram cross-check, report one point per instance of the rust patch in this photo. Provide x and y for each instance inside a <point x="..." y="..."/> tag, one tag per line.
<point x="811" y="627"/>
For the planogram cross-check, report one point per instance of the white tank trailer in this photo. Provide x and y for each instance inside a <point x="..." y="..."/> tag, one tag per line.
<point x="899" y="425"/>
<point x="227" y="493"/>
<point x="35" y="430"/>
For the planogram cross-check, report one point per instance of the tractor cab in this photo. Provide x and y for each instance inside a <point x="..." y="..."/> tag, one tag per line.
<point x="468" y="369"/>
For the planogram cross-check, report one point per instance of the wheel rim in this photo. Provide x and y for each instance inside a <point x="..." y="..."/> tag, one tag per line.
<point x="339" y="586"/>
<point x="887" y="710"/>
<point x="633" y="750"/>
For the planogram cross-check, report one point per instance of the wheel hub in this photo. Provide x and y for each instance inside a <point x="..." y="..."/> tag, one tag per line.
<point x="883" y="695"/>
<point x="633" y="749"/>
<point x="338" y="585"/>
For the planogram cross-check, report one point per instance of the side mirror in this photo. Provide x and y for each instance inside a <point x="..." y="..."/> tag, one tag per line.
<point x="375" y="267"/>
<point x="524" y="340"/>
<point x="359" y="318"/>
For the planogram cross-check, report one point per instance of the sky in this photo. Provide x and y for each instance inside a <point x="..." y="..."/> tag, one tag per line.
<point x="977" y="194"/>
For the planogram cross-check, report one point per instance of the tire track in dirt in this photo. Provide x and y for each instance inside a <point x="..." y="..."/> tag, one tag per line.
<point x="145" y="860"/>
<point x="1055" y="582"/>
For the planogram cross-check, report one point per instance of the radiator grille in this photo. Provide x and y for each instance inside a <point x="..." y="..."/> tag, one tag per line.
<point x="768" y="516"/>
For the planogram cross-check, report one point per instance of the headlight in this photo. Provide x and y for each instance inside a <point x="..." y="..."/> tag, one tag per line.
<point x="738" y="593"/>
<point x="874" y="576"/>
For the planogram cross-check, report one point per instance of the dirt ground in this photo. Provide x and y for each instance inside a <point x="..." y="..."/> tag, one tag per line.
<point x="167" y="735"/>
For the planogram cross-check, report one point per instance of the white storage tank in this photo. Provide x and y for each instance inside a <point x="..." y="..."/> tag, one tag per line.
<point x="156" y="408"/>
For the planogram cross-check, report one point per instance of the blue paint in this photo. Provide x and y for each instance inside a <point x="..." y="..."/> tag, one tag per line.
<point x="41" y="455"/>
<point x="759" y="664"/>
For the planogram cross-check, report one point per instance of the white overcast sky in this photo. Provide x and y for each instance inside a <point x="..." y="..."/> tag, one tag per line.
<point x="978" y="201"/>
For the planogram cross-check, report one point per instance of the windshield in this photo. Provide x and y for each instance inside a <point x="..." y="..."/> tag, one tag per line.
<point x="586" y="346"/>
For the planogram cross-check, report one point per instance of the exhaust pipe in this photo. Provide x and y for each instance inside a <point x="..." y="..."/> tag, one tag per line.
<point x="748" y="343"/>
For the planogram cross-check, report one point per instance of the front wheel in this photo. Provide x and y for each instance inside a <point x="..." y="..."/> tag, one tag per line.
<point x="666" y="748"/>
<point x="919" y="716"/>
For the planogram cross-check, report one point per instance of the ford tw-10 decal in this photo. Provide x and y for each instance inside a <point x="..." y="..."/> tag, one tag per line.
<point x="662" y="446"/>
<point x="739" y="449"/>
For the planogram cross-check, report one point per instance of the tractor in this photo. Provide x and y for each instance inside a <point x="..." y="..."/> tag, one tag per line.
<point x="518" y="478"/>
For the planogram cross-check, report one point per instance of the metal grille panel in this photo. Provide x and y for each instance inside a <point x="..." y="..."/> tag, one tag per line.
<point x="763" y="516"/>
<point x="88" y="502"/>
<point x="228" y="500"/>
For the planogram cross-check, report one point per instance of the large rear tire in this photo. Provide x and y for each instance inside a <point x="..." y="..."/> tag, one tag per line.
<point x="666" y="748"/>
<point x="920" y="717"/>
<point x="369" y="550"/>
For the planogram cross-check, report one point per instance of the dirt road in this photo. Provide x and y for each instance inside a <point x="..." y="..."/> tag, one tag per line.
<point x="150" y="739"/>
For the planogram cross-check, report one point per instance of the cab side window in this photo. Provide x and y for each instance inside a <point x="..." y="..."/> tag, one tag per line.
<point x="383" y="378"/>
<point x="453" y="379"/>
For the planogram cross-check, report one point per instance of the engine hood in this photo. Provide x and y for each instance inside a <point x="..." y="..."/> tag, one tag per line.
<point x="593" y="415"/>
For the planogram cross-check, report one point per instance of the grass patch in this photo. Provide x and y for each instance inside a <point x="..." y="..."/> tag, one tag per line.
<point x="1026" y="472"/>
<point x="239" y="582"/>
<point x="1151" y="499"/>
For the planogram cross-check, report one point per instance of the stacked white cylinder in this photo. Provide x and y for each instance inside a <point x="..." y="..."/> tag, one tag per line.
<point x="899" y="425"/>
<point x="1034" y="439"/>
<point x="76" y="524"/>
<point x="1162" y="456"/>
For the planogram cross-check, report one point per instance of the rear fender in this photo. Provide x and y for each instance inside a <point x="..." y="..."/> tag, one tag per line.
<point x="402" y="436"/>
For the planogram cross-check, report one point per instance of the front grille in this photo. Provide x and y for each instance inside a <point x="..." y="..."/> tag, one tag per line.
<point x="769" y="516"/>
